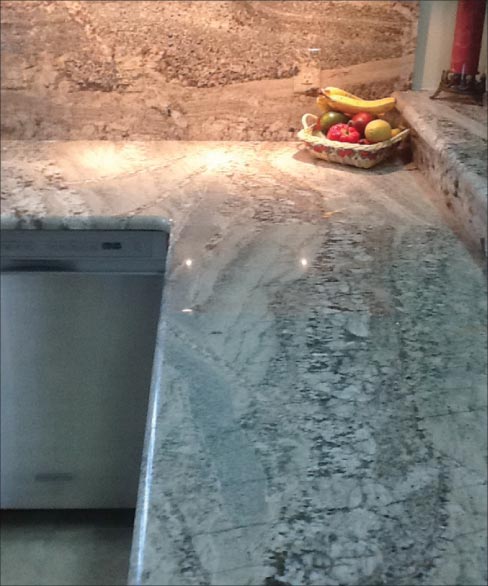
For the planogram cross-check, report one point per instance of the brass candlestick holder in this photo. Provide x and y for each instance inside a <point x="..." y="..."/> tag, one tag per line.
<point x="462" y="85"/>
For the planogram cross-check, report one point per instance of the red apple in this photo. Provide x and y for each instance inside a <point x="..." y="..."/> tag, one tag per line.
<point x="343" y="133"/>
<point x="360" y="120"/>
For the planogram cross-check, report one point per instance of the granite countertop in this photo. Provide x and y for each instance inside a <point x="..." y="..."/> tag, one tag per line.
<point x="318" y="411"/>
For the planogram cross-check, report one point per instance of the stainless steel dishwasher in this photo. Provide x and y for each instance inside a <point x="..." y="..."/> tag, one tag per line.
<point x="79" y="315"/>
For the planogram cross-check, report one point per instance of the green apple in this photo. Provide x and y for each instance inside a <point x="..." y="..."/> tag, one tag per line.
<point x="330" y="118"/>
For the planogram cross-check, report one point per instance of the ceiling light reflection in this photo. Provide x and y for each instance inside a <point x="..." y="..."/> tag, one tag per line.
<point x="111" y="159"/>
<point x="217" y="159"/>
<point x="304" y="262"/>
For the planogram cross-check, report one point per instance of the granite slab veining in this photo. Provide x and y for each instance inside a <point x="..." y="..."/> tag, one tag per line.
<point x="318" y="410"/>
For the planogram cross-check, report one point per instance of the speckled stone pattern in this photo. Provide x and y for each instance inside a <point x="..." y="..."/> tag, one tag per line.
<point x="318" y="409"/>
<point x="206" y="70"/>
<point x="449" y="142"/>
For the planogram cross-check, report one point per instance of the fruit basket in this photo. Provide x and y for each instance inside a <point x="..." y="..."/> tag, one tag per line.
<point x="357" y="155"/>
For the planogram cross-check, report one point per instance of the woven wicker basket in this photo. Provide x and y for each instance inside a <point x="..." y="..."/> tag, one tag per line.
<point x="358" y="155"/>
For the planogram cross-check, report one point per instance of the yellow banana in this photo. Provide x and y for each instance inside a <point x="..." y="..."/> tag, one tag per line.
<point x="322" y="104"/>
<point x="335" y="91"/>
<point x="348" y="105"/>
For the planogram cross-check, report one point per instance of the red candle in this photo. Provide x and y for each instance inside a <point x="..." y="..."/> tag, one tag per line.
<point x="467" y="36"/>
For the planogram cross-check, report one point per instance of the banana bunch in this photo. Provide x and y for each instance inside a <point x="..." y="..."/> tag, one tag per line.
<point x="342" y="101"/>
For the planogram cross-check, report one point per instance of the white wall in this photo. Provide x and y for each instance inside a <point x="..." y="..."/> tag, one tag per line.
<point x="434" y="43"/>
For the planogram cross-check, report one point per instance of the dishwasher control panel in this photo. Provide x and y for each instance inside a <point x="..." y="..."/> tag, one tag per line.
<point x="70" y="243"/>
<point x="88" y="247"/>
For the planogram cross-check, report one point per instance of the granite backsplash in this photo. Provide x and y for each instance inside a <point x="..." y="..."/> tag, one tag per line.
<point x="192" y="70"/>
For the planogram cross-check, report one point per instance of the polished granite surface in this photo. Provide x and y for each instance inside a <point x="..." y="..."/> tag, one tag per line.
<point x="319" y="397"/>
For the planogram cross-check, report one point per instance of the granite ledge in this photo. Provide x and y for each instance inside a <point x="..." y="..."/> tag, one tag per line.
<point x="449" y="143"/>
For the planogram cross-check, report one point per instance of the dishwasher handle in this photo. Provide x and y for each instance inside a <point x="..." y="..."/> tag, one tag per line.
<point x="51" y="266"/>
<point x="82" y="266"/>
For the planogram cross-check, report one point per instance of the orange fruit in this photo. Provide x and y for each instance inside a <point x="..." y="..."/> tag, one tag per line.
<point x="378" y="131"/>
<point x="395" y="131"/>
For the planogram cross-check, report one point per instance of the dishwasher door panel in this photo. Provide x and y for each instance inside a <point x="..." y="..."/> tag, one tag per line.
<point x="76" y="356"/>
